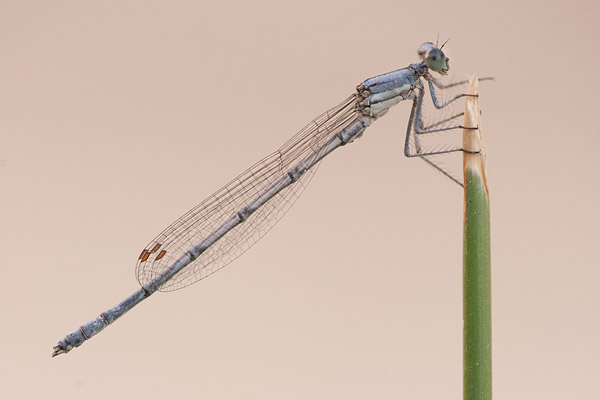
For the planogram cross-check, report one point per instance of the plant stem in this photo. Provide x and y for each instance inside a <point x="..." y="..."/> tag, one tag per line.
<point x="477" y="313"/>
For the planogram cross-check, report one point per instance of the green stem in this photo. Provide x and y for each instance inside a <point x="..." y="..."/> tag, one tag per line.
<point x="477" y="313"/>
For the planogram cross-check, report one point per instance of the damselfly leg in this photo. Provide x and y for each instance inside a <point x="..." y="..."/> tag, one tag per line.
<point x="442" y="86"/>
<point x="424" y="140"/>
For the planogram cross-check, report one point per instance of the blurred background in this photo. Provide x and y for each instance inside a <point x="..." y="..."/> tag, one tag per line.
<point x="116" y="117"/>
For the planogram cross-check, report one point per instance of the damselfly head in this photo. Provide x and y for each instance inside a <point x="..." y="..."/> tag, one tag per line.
<point x="434" y="58"/>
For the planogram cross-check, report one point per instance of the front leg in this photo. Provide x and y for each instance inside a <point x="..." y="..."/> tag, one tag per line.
<point x="435" y="100"/>
<point x="442" y="86"/>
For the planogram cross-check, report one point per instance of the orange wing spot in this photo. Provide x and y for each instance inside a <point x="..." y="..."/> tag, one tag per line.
<point x="145" y="257"/>
<point x="143" y="254"/>
<point x="161" y="254"/>
<point x="156" y="247"/>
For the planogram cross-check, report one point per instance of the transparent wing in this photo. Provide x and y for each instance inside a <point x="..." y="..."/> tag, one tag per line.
<point x="203" y="219"/>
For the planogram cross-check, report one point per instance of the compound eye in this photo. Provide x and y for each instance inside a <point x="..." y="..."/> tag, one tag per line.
<point x="436" y="60"/>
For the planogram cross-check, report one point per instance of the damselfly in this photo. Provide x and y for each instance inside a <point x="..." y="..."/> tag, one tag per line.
<point x="225" y="225"/>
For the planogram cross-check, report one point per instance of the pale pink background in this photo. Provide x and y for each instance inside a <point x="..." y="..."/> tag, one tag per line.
<point x="118" y="116"/>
